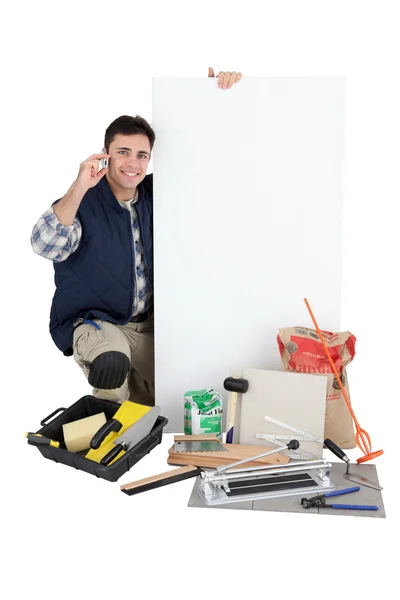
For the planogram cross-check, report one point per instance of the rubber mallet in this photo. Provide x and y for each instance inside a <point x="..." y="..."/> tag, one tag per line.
<point x="234" y="385"/>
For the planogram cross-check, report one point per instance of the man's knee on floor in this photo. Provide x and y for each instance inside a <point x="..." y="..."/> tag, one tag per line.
<point x="109" y="370"/>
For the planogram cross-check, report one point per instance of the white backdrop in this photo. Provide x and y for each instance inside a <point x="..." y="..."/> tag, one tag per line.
<point x="250" y="225"/>
<point x="67" y="73"/>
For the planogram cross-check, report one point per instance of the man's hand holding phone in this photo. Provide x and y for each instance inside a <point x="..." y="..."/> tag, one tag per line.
<point x="92" y="170"/>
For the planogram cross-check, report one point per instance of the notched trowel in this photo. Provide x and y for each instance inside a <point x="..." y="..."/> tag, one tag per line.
<point x="203" y="442"/>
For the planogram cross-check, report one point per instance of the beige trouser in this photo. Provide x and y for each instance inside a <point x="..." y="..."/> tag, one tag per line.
<point x="136" y="341"/>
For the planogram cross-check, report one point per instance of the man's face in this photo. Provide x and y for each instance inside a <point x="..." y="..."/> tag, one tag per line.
<point x="129" y="159"/>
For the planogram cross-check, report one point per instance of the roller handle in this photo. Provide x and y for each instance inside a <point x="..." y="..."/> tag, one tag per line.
<point x="235" y="384"/>
<point x="336" y="450"/>
<point x="112" y="454"/>
<point x="102" y="433"/>
<point x="41" y="440"/>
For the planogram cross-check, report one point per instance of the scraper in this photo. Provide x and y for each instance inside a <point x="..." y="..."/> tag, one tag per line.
<point x="347" y="475"/>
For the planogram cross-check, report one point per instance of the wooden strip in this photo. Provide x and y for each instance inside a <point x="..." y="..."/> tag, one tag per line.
<point x="198" y="437"/>
<point x="235" y="452"/>
<point x="173" y="475"/>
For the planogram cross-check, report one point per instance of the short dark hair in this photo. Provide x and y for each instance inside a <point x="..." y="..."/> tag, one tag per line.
<point x="127" y="125"/>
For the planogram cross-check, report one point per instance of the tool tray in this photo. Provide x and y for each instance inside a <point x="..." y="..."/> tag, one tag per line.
<point x="86" y="407"/>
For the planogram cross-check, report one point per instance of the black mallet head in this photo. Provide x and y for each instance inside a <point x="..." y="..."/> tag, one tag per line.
<point x="235" y="384"/>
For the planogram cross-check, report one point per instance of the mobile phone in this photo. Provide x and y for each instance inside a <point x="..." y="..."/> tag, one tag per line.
<point x="104" y="161"/>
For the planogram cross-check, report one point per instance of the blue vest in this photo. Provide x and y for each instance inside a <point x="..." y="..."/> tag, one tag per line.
<point x="97" y="280"/>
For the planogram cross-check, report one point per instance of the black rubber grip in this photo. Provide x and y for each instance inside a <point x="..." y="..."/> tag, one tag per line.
<point x="234" y="384"/>
<point x="293" y="445"/>
<point x="335" y="449"/>
<point x="102" y="433"/>
<point x="40" y="440"/>
<point x="112" y="454"/>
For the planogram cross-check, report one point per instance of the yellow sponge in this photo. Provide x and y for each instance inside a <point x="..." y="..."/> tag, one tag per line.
<point x="77" y="434"/>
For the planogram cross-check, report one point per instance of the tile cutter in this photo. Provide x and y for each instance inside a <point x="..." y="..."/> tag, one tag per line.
<point x="227" y="484"/>
<point x="162" y="479"/>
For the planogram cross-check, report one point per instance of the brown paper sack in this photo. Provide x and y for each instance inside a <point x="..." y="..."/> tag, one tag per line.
<point x="301" y="351"/>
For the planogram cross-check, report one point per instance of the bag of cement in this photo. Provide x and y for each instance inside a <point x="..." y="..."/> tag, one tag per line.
<point x="203" y="412"/>
<point x="301" y="351"/>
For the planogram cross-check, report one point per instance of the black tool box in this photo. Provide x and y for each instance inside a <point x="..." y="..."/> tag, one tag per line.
<point x="86" y="407"/>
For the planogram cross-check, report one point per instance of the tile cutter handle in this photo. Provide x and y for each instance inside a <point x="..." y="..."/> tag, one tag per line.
<point x="292" y="445"/>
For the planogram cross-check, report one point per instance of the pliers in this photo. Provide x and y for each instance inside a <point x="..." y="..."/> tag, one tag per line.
<point x="319" y="501"/>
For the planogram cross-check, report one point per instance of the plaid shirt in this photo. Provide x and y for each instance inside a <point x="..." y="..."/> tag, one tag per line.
<point x="57" y="242"/>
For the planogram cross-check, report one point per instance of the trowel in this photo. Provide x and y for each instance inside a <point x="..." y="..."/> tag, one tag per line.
<point x="347" y="475"/>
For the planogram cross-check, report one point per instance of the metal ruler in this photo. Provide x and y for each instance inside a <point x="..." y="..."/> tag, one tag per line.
<point x="306" y="435"/>
<point x="294" y="454"/>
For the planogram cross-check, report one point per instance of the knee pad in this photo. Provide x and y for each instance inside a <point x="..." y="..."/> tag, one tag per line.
<point x="109" y="370"/>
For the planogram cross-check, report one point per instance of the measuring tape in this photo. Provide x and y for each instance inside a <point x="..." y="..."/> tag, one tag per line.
<point x="295" y="454"/>
<point x="306" y="436"/>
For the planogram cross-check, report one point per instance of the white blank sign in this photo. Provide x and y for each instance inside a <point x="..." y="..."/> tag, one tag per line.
<point x="248" y="187"/>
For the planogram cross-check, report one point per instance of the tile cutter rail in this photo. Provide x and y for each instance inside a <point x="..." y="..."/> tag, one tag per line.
<point x="260" y="483"/>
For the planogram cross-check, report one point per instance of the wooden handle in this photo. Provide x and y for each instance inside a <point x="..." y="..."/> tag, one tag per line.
<point x="200" y="437"/>
<point x="159" y="480"/>
<point x="232" y="410"/>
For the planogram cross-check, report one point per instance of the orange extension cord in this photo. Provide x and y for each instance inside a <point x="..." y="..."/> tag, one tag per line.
<point x="362" y="438"/>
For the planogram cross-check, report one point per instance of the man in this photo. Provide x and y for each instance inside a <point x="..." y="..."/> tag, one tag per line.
<point x="100" y="239"/>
